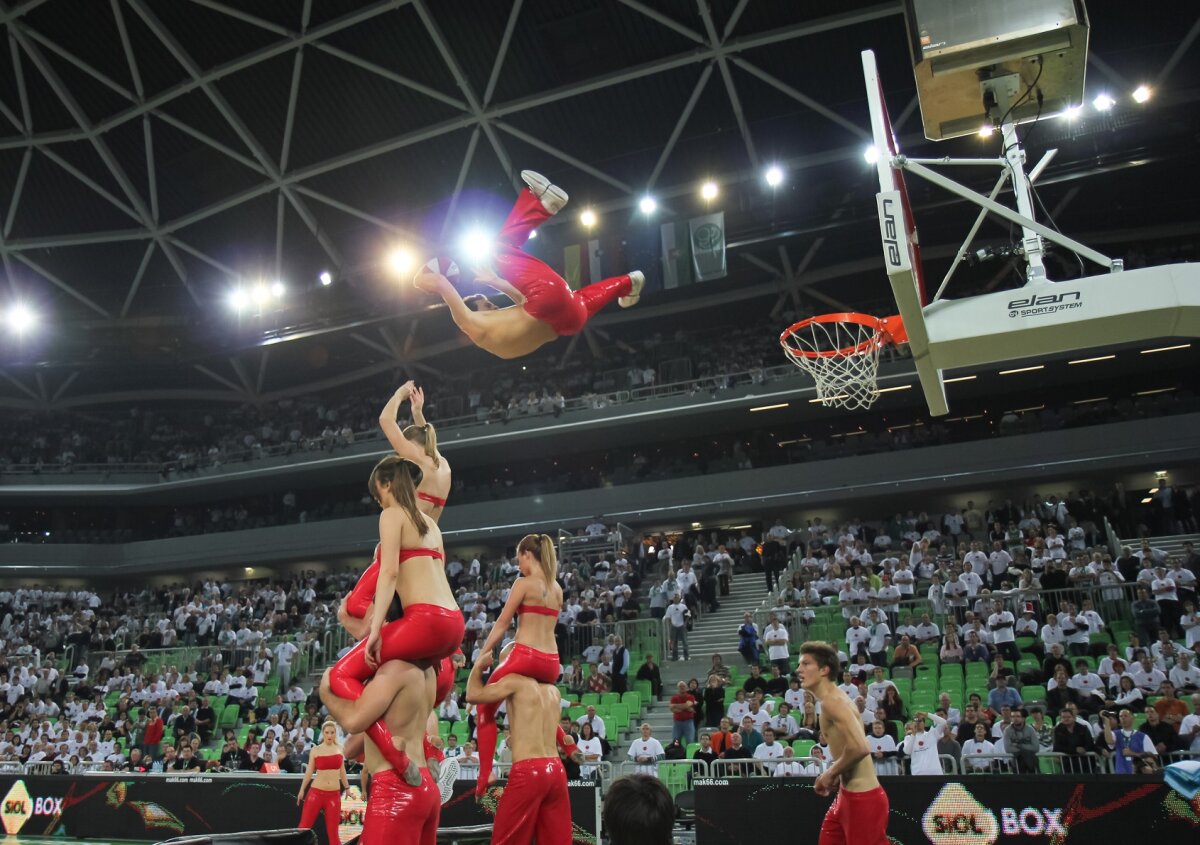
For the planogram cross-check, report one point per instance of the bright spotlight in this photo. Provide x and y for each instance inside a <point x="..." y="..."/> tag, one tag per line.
<point x="709" y="190"/>
<point x="277" y="289"/>
<point x="532" y="234"/>
<point x="647" y="204"/>
<point x="1141" y="94"/>
<point x="871" y="154"/>
<point x="260" y="294"/>
<point x="1072" y="112"/>
<point x="986" y="130"/>
<point x="1103" y="102"/>
<point x="400" y="260"/>
<point x="476" y="245"/>
<point x="588" y="218"/>
<point x="774" y="176"/>
<point x="238" y="299"/>
<point x="326" y="279"/>
<point x="20" y="318"/>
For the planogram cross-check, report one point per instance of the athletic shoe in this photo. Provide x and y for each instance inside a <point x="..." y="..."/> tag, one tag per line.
<point x="447" y="775"/>
<point x="638" y="280"/>
<point x="553" y="197"/>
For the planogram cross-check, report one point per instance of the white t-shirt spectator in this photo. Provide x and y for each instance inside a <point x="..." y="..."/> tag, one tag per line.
<point x="971" y="748"/>
<point x="765" y="752"/>
<point x="922" y="749"/>
<point x="651" y="748"/>
<point x="1167" y="585"/>
<point x="677" y="613"/>
<point x="855" y="636"/>
<point x="1189" y="724"/>
<point x="586" y="747"/>
<point x="996" y="625"/>
<point x="776" y="638"/>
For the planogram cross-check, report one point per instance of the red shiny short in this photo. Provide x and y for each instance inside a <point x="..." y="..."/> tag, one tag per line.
<point x="543" y="667"/>
<point x="399" y="814"/>
<point x="856" y="818"/>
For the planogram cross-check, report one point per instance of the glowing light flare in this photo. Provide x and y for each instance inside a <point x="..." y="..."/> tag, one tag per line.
<point x="871" y="154"/>
<point x="774" y="176"/>
<point x="588" y="218"/>
<point x="326" y="279"/>
<point x="1103" y="102"/>
<point x="20" y="318"/>
<point x="709" y="190"/>
<point x="1142" y="93"/>
<point x="647" y="205"/>
<point x="400" y="260"/>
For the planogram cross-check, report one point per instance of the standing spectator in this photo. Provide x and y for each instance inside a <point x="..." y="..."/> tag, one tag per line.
<point x="1073" y="739"/>
<point x="748" y="639"/>
<point x="683" y="713"/>
<point x="1127" y="745"/>
<point x="285" y="653"/>
<point x="1001" y="624"/>
<point x="921" y="746"/>
<point x="620" y="666"/>
<point x="646" y="751"/>
<point x="1147" y="615"/>
<point x="1166" y="593"/>
<point x="1189" y="728"/>
<point x="776" y="639"/>
<point x="678" y="615"/>
<point x="152" y="735"/>
<point x="714" y="701"/>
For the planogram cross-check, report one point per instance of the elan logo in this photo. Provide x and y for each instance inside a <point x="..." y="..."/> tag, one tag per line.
<point x="891" y="221"/>
<point x="1046" y="299"/>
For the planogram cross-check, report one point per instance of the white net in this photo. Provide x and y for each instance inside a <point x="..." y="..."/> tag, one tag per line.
<point x="842" y="356"/>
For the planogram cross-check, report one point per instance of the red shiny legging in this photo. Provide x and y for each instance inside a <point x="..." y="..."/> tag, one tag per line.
<point x="363" y="594"/>
<point x="547" y="295"/>
<point x="399" y="814"/>
<point x="543" y="667"/>
<point x="328" y="800"/>
<point x="425" y="632"/>
<point x="534" y="805"/>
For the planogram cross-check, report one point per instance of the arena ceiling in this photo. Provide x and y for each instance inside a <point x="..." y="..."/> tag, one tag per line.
<point x="156" y="154"/>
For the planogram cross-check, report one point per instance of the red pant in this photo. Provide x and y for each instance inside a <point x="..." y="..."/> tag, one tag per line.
<point x="543" y="667"/>
<point x="425" y="632"/>
<point x="445" y="678"/>
<point x="361" y="597"/>
<point x="547" y="296"/>
<point x="399" y="814"/>
<point x="856" y="818"/>
<point x="329" y="801"/>
<point x="534" y="805"/>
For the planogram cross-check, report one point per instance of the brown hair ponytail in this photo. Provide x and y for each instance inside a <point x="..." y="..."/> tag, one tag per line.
<point x="426" y="437"/>
<point x="401" y="477"/>
<point x="542" y="548"/>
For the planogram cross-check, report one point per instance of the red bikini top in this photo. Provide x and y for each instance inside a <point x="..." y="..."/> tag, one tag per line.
<point x="405" y="554"/>
<point x="537" y="608"/>
<point x="328" y="761"/>
<point x="429" y="497"/>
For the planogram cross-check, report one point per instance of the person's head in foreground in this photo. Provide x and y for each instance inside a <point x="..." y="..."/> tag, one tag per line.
<point x="638" y="810"/>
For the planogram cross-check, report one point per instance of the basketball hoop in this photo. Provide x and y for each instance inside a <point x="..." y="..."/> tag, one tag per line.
<point x="841" y="353"/>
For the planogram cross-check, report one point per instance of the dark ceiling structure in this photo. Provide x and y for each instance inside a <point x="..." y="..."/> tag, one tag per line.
<point x="157" y="154"/>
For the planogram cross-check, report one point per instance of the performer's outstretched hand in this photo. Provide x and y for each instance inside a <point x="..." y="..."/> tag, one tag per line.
<point x="484" y="660"/>
<point x="416" y="398"/>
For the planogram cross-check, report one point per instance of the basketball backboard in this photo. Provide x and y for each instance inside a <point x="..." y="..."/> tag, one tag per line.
<point x="1042" y="318"/>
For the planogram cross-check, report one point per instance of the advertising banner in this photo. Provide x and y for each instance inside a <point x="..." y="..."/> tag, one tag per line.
<point x="158" y="807"/>
<point x="1051" y="809"/>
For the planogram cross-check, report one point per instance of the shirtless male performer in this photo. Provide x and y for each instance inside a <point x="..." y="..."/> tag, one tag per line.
<point x="397" y="813"/>
<point x="860" y="811"/>
<point x="535" y="804"/>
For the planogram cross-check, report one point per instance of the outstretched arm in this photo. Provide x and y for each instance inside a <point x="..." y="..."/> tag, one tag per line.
<point x="515" y="596"/>
<point x="404" y="447"/>
<point x="356" y="716"/>
<point x="493" y="693"/>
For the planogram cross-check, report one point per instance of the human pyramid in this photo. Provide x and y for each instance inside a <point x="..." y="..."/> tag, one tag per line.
<point x="404" y="613"/>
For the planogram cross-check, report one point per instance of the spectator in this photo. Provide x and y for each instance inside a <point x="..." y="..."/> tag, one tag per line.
<point x="649" y="671"/>
<point x="638" y="810"/>
<point x="977" y="752"/>
<point x="736" y="751"/>
<point x="646" y="751"/>
<point x="678" y="615"/>
<point x="683" y="712"/>
<point x="920" y="746"/>
<point x="1021" y="741"/>
<point x="776" y="639"/>
<point x="1126" y="744"/>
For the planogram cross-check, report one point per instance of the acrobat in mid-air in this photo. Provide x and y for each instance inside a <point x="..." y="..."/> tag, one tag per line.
<point x="544" y="306"/>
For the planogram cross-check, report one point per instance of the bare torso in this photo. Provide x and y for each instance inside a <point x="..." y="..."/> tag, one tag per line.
<point x="533" y="710"/>
<point x="535" y="629"/>
<point x="406" y="716"/>
<point x="422" y="579"/>
<point x="861" y="776"/>
<point x="435" y="481"/>
<point x="327" y="779"/>
<point x="510" y="332"/>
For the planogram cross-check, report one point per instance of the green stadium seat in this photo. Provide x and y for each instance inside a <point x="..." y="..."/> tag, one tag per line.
<point x="592" y="698"/>
<point x="1033" y="692"/>
<point x="575" y="712"/>
<point x="610" y="698"/>
<point x="644" y="689"/>
<point x="802" y="747"/>
<point x="620" y="715"/>
<point x="229" y="717"/>
<point x="632" y="700"/>
<point x="692" y="748"/>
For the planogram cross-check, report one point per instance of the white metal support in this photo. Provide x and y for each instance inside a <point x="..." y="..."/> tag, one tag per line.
<point x="1031" y="243"/>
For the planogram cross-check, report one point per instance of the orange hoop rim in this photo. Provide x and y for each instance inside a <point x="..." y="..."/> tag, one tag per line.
<point x="887" y="330"/>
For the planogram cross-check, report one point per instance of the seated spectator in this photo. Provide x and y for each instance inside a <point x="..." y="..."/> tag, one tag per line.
<point x="975" y="651"/>
<point x="906" y="655"/>
<point x="1130" y="748"/>
<point x="1003" y="695"/>
<point x="977" y="752"/>
<point x="649" y="671"/>
<point x="1128" y="696"/>
<point x="952" y="650"/>
<point x="1162" y="736"/>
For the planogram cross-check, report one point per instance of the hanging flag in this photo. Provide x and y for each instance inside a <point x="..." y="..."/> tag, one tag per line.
<point x="707" y="235"/>
<point x="581" y="264"/>
<point x="676" y="255"/>
<point x="572" y="271"/>
<point x="593" y="252"/>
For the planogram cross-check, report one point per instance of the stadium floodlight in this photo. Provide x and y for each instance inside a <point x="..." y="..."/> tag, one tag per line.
<point x="260" y="294"/>
<point x="400" y="260"/>
<point x="1103" y="102"/>
<point x="986" y="130"/>
<point x="871" y="154"/>
<point x="709" y="190"/>
<point x="278" y="289"/>
<point x="1141" y="94"/>
<point x="326" y="278"/>
<point x="647" y="205"/>
<point x="774" y="176"/>
<point x="1072" y="112"/>
<point x="588" y="218"/>
<point x="476" y="245"/>
<point x="20" y="318"/>
<point x="238" y="299"/>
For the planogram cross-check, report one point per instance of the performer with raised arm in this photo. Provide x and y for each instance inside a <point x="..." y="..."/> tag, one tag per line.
<point x="536" y="596"/>
<point x="860" y="810"/>
<point x="418" y="443"/>
<point x="535" y="805"/>
<point x="544" y="306"/>
<point x="404" y="806"/>
<point x="431" y="628"/>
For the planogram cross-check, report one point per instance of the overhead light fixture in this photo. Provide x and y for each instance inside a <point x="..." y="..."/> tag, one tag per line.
<point x="1146" y="500"/>
<point x="1167" y="348"/>
<point x="476" y="244"/>
<point x="770" y="407"/>
<point x="1090" y="401"/>
<point x="1072" y="112"/>
<point x="986" y="130"/>
<point x="1023" y="370"/>
<point x="871" y="154"/>
<point x="1092" y="360"/>
<point x="774" y="176"/>
<point x="326" y="279"/>
<point x="1151" y="491"/>
<point x="400" y="260"/>
<point x="1160" y="474"/>
<point x="1152" y="392"/>
<point x="20" y="318"/>
<point x="1103" y="102"/>
<point x="739" y="527"/>
<point x="709" y="190"/>
<point x="588" y="218"/>
<point x="647" y="205"/>
<point x="1141" y="94"/>
<point x="819" y="400"/>
<point x="1026" y="410"/>
<point x="278" y="289"/>
<point x="783" y="443"/>
<point x="894" y="389"/>
<point x="260" y="294"/>
<point x="959" y="378"/>
<point x="237" y="299"/>
<point x="695" y="524"/>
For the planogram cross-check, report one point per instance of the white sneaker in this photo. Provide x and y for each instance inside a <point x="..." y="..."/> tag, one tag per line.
<point x="447" y="775"/>
<point x="553" y="197"/>
<point x="638" y="278"/>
